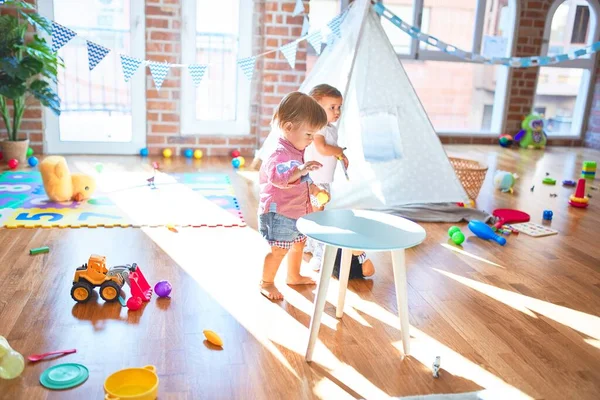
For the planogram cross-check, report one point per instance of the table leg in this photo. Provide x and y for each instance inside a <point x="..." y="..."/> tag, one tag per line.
<point x="322" y="286"/>
<point x="398" y="262"/>
<point x="344" y="275"/>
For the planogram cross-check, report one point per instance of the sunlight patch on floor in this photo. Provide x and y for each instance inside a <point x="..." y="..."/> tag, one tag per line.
<point x="466" y="253"/>
<point x="580" y="321"/>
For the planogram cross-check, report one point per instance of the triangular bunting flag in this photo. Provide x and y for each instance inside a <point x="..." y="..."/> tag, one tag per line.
<point x="289" y="51"/>
<point x="299" y="9"/>
<point x="305" y="26"/>
<point x="60" y="36"/>
<point x="315" y="40"/>
<point x="159" y="72"/>
<point x="130" y="65"/>
<point x="197" y="72"/>
<point x="247" y="65"/>
<point x="335" y="23"/>
<point x="95" y="54"/>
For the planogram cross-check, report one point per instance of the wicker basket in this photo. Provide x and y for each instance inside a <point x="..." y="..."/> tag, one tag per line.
<point x="470" y="173"/>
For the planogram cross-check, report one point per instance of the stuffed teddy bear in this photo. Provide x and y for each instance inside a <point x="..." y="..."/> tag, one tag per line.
<point x="61" y="185"/>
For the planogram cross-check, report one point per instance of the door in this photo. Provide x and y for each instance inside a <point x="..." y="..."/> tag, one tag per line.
<point x="101" y="113"/>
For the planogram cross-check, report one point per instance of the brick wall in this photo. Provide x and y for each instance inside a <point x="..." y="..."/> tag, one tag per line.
<point x="32" y="126"/>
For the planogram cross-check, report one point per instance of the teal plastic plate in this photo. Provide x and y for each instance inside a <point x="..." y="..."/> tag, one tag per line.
<point x="64" y="376"/>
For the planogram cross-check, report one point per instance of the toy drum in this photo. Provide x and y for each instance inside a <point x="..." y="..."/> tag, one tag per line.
<point x="132" y="384"/>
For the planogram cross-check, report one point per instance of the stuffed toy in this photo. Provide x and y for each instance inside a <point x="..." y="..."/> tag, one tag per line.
<point x="532" y="135"/>
<point x="504" y="181"/>
<point x="61" y="185"/>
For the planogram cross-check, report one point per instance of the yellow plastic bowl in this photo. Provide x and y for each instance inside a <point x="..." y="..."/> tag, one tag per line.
<point x="132" y="384"/>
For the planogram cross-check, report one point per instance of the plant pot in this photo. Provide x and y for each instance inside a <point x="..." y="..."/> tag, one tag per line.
<point x="16" y="150"/>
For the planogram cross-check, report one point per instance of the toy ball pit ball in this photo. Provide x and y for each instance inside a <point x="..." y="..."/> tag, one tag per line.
<point x="322" y="198"/>
<point x="134" y="303"/>
<point x="453" y="230"/>
<point x="242" y="160"/>
<point x="198" y="154"/>
<point x="29" y="152"/>
<point x="235" y="153"/>
<point x="167" y="153"/>
<point x="235" y="162"/>
<point x="33" y="161"/>
<point x="505" y="140"/>
<point x="458" y="237"/>
<point x="144" y="152"/>
<point x="12" y="164"/>
<point x="163" y="289"/>
<point x="188" y="153"/>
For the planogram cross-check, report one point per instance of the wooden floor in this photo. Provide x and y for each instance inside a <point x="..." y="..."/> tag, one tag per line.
<point x="521" y="321"/>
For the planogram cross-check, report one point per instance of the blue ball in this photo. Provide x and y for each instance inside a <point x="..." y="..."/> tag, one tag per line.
<point x="188" y="153"/>
<point x="144" y="152"/>
<point x="235" y="162"/>
<point x="547" y="215"/>
<point x="33" y="161"/>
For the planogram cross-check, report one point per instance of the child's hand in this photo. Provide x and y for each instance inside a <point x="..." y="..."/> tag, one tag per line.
<point x="345" y="160"/>
<point x="309" y="166"/>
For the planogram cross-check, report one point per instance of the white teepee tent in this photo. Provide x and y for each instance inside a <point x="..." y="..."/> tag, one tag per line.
<point x="396" y="158"/>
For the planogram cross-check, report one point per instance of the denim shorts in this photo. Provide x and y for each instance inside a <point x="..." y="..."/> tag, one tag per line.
<point x="278" y="230"/>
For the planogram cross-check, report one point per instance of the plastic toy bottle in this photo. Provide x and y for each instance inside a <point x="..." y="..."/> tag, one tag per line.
<point x="11" y="362"/>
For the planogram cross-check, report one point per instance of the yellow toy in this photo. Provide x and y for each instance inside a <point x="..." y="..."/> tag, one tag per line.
<point x="132" y="384"/>
<point x="213" y="338"/>
<point x="198" y="154"/>
<point x="61" y="185"/>
<point x="167" y="153"/>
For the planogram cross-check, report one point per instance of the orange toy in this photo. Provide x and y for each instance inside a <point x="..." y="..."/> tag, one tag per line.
<point x="111" y="281"/>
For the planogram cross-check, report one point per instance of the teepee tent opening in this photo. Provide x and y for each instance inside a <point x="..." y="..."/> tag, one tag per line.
<point x="396" y="158"/>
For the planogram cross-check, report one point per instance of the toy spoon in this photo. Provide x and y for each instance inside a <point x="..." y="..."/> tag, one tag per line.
<point x="38" y="357"/>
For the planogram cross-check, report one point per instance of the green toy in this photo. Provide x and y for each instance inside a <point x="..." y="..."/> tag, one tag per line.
<point x="456" y="235"/>
<point x="453" y="230"/>
<point x="532" y="135"/>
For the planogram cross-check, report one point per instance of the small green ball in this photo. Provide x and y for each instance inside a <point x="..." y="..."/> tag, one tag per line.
<point x="29" y="152"/>
<point x="453" y="230"/>
<point x="458" y="238"/>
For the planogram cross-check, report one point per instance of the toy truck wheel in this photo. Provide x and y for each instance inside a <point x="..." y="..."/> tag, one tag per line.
<point x="81" y="292"/>
<point x="109" y="291"/>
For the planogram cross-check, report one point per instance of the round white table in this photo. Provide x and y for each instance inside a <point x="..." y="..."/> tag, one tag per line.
<point x="359" y="230"/>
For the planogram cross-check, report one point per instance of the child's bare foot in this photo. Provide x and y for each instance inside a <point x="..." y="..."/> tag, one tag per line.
<point x="300" y="280"/>
<point x="269" y="290"/>
<point x="368" y="268"/>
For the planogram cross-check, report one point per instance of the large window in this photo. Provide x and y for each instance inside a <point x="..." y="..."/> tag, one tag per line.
<point x="562" y="89"/>
<point x="220" y="104"/>
<point x="459" y="97"/>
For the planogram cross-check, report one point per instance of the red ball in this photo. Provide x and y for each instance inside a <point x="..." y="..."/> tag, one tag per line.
<point x="12" y="164"/>
<point x="134" y="303"/>
<point x="235" y="153"/>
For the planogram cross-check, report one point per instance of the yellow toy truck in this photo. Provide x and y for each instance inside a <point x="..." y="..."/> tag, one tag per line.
<point x="95" y="274"/>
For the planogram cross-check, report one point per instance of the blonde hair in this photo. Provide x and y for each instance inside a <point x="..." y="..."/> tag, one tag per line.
<point x="324" y="90"/>
<point x="299" y="108"/>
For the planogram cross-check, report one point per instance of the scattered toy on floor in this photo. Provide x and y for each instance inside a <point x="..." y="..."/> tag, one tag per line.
<point x="553" y="195"/>
<point x="547" y="173"/>
<point x="39" y="357"/>
<point x="29" y="152"/>
<point x="236" y="163"/>
<point x="549" y="181"/>
<point x="507" y="215"/>
<point x="32" y="161"/>
<point x="436" y="367"/>
<point x="213" y="338"/>
<point x="13" y="163"/>
<point x="235" y="153"/>
<point x="533" y="187"/>
<point x="163" y="288"/>
<point x="64" y="376"/>
<point x="134" y="303"/>
<point x="456" y="235"/>
<point x="132" y="383"/>
<point x="505" y="140"/>
<point x="198" y="154"/>
<point x="569" y="183"/>
<point x="167" y="153"/>
<point x="39" y="250"/>
<point x="242" y="160"/>
<point x="61" y="185"/>
<point x="547" y="215"/>
<point x="188" y="153"/>
<point x="588" y="170"/>
<point x="532" y="229"/>
<point x="505" y="181"/>
<point x="483" y="231"/>
<point x="532" y="135"/>
<point x="11" y="361"/>
<point x="579" y="199"/>
<point x="144" y="152"/>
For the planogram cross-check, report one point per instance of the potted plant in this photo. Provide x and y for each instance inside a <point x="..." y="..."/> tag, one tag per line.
<point x="27" y="69"/>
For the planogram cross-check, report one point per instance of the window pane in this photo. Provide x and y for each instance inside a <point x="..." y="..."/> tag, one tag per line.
<point x="457" y="96"/>
<point x="98" y="100"/>
<point x="569" y="29"/>
<point x="497" y="23"/>
<point x="403" y="9"/>
<point x="321" y="12"/>
<point x="556" y="93"/>
<point x="217" y="37"/>
<point x="452" y="21"/>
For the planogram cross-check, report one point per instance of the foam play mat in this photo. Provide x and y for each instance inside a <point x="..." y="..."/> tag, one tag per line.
<point x="123" y="199"/>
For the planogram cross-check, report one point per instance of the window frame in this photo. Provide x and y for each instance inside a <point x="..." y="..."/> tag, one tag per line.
<point x="189" y="124"/>
<point x="586" y="63"/>
<point x="503" y="74"/>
